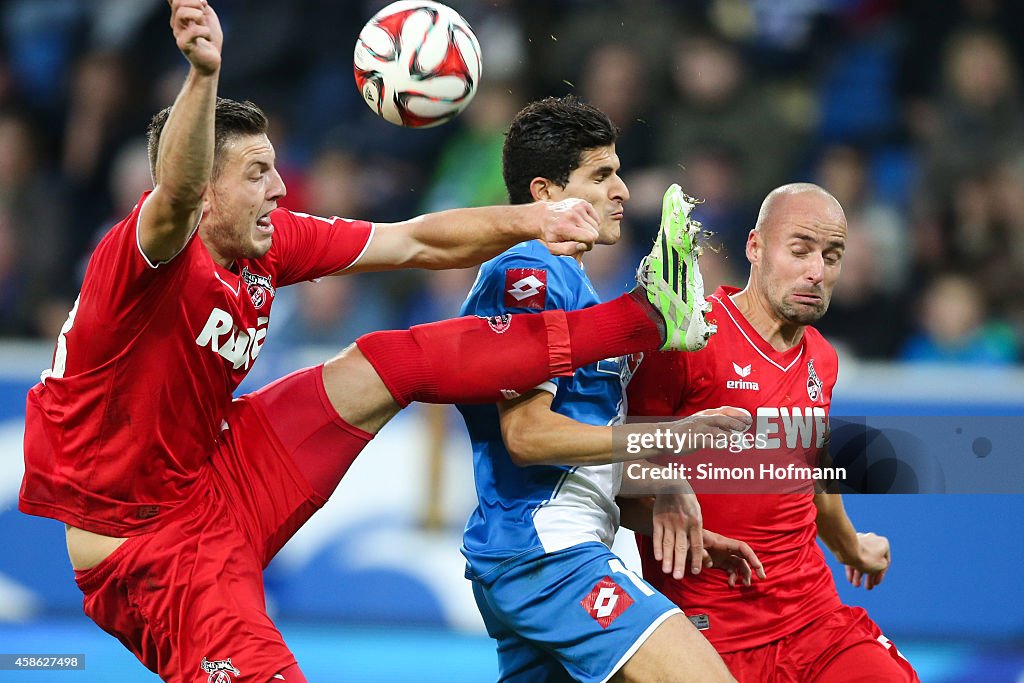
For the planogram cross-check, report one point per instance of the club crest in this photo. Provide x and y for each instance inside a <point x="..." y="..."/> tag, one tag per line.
<point x="219" y="670"/>
<point x="258" y="286"/>
<point x="499" y="323"/>
<point x="814" y="387"/>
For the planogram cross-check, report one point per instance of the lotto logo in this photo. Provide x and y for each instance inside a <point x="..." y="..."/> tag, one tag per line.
<point x="606" y="601"/>
<point x="526" y="288"/>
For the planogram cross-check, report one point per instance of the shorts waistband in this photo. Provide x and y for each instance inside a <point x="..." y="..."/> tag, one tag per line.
<point x="90" y="578"/>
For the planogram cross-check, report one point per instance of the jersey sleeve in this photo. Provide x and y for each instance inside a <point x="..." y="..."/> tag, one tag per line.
<point x="657" y="385"/>
<point x="307" y="247"/>
<point x="120" y="278"/>
<point x="516" y="283"/>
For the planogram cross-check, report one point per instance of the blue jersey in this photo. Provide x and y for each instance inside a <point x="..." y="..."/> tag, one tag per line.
<point x="525" y="512"/>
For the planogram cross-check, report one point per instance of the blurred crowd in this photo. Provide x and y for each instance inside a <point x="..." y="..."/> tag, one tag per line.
<point x="911" y="113"/>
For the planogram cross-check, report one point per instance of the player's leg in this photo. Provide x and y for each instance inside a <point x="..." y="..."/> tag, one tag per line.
<point x="867" y="662"/>
<point x="756" y="665"/>
<point x="675" y="653"/>
<point x="519" y="660"/>
<point x="188" y="599"/>
<point x="478" y="360"/>
<point x="846" y="646"/>
<point x="594" y="616"/>
<point x="472" y="360"/>
<point x="282" y="454"/>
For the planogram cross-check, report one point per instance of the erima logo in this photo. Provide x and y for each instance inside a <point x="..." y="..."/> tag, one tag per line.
<point x="739" y="383"/>
<point x="525" y="288"/>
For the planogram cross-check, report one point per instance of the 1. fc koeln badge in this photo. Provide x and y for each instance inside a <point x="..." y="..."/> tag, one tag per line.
<point x="814" y="387"/>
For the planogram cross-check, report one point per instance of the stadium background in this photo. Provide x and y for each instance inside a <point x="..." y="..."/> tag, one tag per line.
<point x="911" y="113"/>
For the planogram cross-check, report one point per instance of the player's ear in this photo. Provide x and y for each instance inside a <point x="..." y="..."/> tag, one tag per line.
<point x="541" y="189"/>
<point x="207" y="200"/>
<point x="754" y="246"/>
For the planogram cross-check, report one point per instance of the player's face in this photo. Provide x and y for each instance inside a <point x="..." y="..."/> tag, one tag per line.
<point x="597" y="180"/>
<point x="241" y="198"/>
<point x="800" y="256"/>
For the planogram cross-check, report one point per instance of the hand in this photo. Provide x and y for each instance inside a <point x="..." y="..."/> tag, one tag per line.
<point x="707" y="427"/>
<point x="197" y="33"/>
<point x="677" y="529"/>
<point x="733" y="557"/>
<point x="569" y="226"/>
<point x="872" y="562"/>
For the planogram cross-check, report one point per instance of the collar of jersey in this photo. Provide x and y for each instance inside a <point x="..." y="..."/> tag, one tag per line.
<point x="783" y="360"/>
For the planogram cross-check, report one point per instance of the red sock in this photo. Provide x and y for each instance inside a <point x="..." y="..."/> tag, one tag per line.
<point x="624" y="325"/>
<point x="477" y="360"/>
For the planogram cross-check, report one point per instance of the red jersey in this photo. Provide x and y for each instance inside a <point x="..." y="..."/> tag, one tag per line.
<point x="739" y="368"/>
<point x="145" y="366"/>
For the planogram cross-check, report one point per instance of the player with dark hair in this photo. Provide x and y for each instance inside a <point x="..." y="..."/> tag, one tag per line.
<point x="768" y="359"/>
<point x="559" y="603"/>
<point x="174" y="496"/>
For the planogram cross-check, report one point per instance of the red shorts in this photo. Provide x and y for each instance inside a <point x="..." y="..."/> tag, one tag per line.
<point x="187" y="599"/>
<point x="842" y="646"/>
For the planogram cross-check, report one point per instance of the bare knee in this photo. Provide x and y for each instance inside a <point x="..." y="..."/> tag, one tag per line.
<point x="357" y="392"/>
<point x="675" y="653"/>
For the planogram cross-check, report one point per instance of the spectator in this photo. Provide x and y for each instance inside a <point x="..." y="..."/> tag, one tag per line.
<point x="954" y="329"/>
<point x="718" y="105"/>
<point x="33" y="204"/>
<point x="867" y="316"/>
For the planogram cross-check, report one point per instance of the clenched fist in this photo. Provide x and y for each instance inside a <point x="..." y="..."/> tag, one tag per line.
<point x="569" y="226"/>
<point x="198" y="34"/>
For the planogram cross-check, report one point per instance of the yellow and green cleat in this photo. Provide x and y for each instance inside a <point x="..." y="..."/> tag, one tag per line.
<point x="671" y="276"/>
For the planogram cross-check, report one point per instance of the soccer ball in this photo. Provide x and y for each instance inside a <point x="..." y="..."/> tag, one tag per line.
<point x="417" y="63"/>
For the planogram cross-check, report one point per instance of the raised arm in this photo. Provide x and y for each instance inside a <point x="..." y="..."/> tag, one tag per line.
<point x="866" y="556"/>
<point x="459" y="238"/>
<point x="185" y="157"/>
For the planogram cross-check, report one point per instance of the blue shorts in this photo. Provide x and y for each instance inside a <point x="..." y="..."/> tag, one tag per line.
<point x="575" y="615"/>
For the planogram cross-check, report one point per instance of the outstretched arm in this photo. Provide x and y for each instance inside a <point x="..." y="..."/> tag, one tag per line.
<point x="185" y="157"/>
<point x="536" y="435"/>
<point x="459" y="238"/>
<point x="866" y="556"/>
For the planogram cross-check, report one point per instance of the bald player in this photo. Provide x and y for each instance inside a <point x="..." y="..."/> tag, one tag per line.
<point x="767" y="359"/>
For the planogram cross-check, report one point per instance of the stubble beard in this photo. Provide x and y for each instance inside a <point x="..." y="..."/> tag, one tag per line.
<point x="800" y="315"/>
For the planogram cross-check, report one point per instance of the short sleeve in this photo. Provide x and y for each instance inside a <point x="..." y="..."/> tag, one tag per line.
<point x="306" y="247"/>
<point x="516" y="283"/>
<point x="120" y="278"/>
